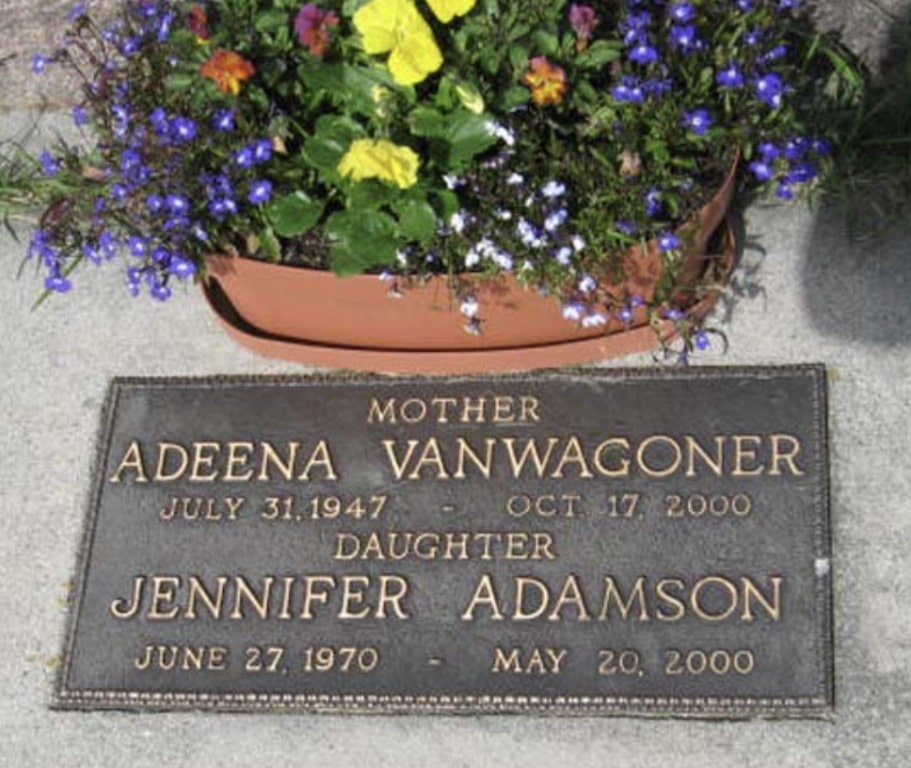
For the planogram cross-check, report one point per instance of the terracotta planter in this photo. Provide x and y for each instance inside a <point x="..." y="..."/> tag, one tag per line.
<point x="314" y="317"/>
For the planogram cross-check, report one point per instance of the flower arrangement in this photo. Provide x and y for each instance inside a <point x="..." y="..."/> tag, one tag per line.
<point x="539" y="138"/>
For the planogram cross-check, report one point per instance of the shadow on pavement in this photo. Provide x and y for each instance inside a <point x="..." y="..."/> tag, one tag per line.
<point x="857" y="274"/>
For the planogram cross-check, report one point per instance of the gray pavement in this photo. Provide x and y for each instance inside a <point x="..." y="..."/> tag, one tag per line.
<point x="803" y="293"/>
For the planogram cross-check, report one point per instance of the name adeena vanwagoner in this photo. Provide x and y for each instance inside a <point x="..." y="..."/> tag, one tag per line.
<point x="461" y="457"/>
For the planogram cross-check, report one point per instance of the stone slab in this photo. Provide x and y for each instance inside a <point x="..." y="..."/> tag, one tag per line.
<point x="579" y="542"/>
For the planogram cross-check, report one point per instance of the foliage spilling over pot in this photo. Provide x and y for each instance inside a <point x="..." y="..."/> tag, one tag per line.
<point x="540" y="138"/>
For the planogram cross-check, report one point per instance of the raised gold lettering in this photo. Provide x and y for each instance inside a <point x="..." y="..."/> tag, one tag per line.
<point x="314" y="595"/>
<point x="164" y="450"/>
<point x="656" y="440"/>
<point x="393" y="590"/>
<point x="244" y="593"/>
<point x="745" y="448"/>
<point x="570" y="595"/>
<point x="525" y="586"/>
<point x="353" y="595"/>
<point x="238" y="459"/>
<point x="484" y="594"/>
<point x="573" y="454"/>
<point x="132" y="459"/>
<point x="715" y="463"/>
<point x="122" y="609"/>
<point x="320" y="458"/>
<point x="727" y="587"/>
<point x="752" y="593"/>
<point x="164" y="593"/>
<point x="678" y="607"/>
<point x="785" y="449"/>
<point x="197" y="591"/>
<point x="612" y="593"/>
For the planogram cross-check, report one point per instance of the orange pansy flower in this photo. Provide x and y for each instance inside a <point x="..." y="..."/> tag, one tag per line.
<point x="546" y="81"/>
<point x="228" y="70"/>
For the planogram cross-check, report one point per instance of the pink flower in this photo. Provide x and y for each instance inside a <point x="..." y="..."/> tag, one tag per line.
<point x="312" y="26"/>
<point x="198" y="22"/>
<point x="583" y="21"/>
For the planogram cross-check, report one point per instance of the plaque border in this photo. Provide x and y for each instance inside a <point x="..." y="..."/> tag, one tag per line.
<point x="820" y="706"/>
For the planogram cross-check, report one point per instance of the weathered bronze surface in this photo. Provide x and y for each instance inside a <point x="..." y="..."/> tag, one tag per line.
<point x="575" y="542"/>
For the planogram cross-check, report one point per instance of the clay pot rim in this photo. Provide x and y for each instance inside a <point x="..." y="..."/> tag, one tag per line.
<point x="575" y="352"/>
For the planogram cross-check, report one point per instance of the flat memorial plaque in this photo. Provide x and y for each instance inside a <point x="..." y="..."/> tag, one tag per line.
<point x="598" y="542"/>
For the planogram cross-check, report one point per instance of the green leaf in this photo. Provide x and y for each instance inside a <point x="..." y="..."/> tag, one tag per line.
<point x="427" y="122"/>
<point x="360" y="86"/>
<point x="417" y="220"/>
<point x="270" y="245"/>
<point x="518" y="57"/>
<point x="363" y="239"/>
<point x="180" y="81"/>
<point x="546" y="43"/>
<point x="598" y="54"/>
<point x="706" y="78"/>
<point x="325" y="148"/>
<point x="449" y="203"/>
<point x="370" y="193"/>
<point x="294" y="214"/>
<point x="353" y="86"/>
<point x="468" y="135"/>
<point x="658" y="149"/>
<point x="320" y="76"/>
<point x="344" y="263"/>
<point x="270" y="20"/>
<point x="515" y="96"/>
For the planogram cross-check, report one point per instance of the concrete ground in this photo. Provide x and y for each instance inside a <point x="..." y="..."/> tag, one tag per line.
<point x="803" y="293"/>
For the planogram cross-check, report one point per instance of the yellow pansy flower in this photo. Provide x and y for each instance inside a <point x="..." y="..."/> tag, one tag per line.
<point x="396" y="26"/>
<point x="446" y="10"/>
<point x="380" y="159"/>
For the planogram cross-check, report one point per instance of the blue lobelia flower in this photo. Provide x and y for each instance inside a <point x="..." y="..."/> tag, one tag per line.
<point x="681" y="12"/>
<point x="260" y="191"/>
<point x="635" y="26"/>
<point x="668" y="241"/>
<point x="730" y="77"/>
<point x="768" y="151"/>
<point x="244" y="157"/>
<point x="698" y="121"/>
<point x="80" y="116"/>
<point x="769" y="89"/>
<point x="177" y="204"/>
<point x="801" y="173"/>
<point x="684" y="38"/>
<point x="223" y="120"/>
<point x="39" y="63"/>
<point x="181" y="267"/>
<point x="183" y="129"/>
<point x="644" y="54"/>
<point x="262" y="150"/>
<point x="77" y="11"/>
<point x="50" y="166"/>
<point x="57" y="283"/>
<point x="653" y="204"/>
<point x="159" y="290"/>
<point x="762" y="170"/>
<point x="630" y="90"/>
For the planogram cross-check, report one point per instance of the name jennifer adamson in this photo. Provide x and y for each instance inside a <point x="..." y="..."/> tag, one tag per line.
<point x="708" y="598"/>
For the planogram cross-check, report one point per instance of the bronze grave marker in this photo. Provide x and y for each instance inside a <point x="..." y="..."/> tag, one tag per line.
<point x="571" y="542"/>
